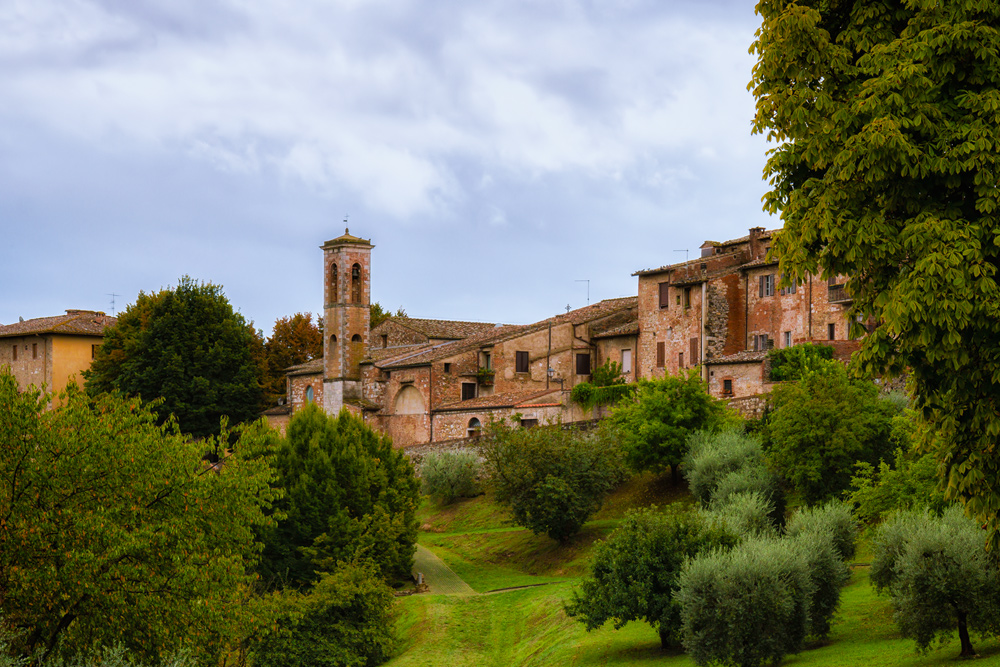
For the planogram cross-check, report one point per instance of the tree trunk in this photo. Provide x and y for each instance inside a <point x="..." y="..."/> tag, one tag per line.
<point x="963" y="635"/>
<point x="664" y="638"/>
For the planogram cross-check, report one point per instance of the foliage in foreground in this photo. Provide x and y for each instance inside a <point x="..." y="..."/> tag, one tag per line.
<point x="188" y="347"/>
<point x="448" y="476"/>
<point x="793" y="363"/>
<point x="821" y="425"/>
<point x="757" y="603"/>
<point x="111" y="525"/>
<point x="884" y="170"/>
<point x="940" y="576"/>
<point x="552" y="478"/>
<point x="634" y="573"/>
<point x="348" y="495"/>
<point x="655" y="423"/>
<point x="345" y="620"/>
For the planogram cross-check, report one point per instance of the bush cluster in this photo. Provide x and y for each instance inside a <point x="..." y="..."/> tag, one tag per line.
<point x="448" y="476"/>
<point x="728" y="474"/>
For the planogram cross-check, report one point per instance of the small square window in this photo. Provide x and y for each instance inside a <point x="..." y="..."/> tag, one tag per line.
<point x="727" y="387"/>
<point x="447" y="367"/>
<point x="583" y="363"/>
<point x="468" y="390"/>
<point x="521" y="362"/>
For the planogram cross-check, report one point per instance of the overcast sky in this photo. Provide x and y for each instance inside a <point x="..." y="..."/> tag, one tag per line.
<point x="496" y="152"/>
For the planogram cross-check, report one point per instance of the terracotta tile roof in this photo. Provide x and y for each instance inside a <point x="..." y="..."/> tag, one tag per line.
<point x="671" y="267"/>
<point x="630" y="329"/>
<point x="502" y="332"/>
<point x="311" y="367"/>
<point x="73" y="323"/>
<point x="510" y="399"/>
<point x="746" y="357"/>
<point x="378" y="354"/>
<point x="763" y="261"/>
<point x="453" y="329"/>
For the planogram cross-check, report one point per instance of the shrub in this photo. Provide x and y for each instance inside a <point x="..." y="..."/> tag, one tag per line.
<point x="450" y="475"/>
<point x="346" y="620"/>
<point x="753" y="478"/>
<point x="828" y="574"/>
<point x="633" y="575"/>
<point x="747" y="607"/>
<point x="712" y="456"/>
<point x="747" y="514"/>
<point x="939" y="575"/>
<point x="833" y="519"/>
<point x="552" y="478"/>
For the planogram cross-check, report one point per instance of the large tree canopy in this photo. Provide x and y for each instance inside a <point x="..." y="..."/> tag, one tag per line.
<point x="187" y="347"/>
<point x="886" y="115"/>
<point x="112" y="529"/>
<point x="294" y="340"/>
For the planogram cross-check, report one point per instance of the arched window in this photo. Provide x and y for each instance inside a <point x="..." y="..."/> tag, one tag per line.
<point x="356" y="283"/>
<point x="357" y="350"/>
<point x="309" y="394"/>
<point x="475" y="427"/>
<point x="333" y="349"/>
<point x="334" y="297"/>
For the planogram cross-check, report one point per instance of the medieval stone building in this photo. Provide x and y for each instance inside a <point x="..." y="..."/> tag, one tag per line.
<point x="422" y="380"/>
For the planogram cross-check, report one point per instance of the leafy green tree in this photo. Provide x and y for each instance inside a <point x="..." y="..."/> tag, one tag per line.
<point x="910" y="481"/>
<point x="833" y="519"/>
<point x="939" y="575"/>
<point x="294" y="340"/>
<point x="552" y="478"/>
<point x="348" y="495"/>
<point x="378" y="314"/>
<point x="791" y="363"/>
<point x="187" y="347"/>
<point x="346" y="620"/>
<point x="884" y="116"/>
<point x="113" y="531"/>
<point x="655" y="424"/>
<point x="821" y="425"/>
<point x="633" y="575"/>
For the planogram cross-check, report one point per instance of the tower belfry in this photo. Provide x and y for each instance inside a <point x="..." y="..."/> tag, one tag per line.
<point x="346" y="317"/>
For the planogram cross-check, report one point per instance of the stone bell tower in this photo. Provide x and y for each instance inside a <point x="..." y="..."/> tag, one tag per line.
<point x="346" y="317"/>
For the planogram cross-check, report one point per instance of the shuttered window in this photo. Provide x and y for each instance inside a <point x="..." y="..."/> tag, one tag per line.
<point x="468" y="390"/>
<point x="766" y="285"/>
<point x="694" y="351"/>
<point x="521" y="362"/>
<point x="661" y="355"/>
<point x="664" y="295"/>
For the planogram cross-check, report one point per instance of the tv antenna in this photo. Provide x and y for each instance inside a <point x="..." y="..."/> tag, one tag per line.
<point x="113" y="295"/>
<point x="685" y="253"/>
<point x="584" y="280"/>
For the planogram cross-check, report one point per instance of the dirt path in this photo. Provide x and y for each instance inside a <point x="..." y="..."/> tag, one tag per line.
<point x="437" y="575"/>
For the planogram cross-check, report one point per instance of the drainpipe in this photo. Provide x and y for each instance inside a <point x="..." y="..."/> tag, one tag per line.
<point x="810" y="306"/>
<point x="548" y="361"/>
<point x="430" y="402"/>
<point x="746" y="307"/>
<point x="701" y="343"/>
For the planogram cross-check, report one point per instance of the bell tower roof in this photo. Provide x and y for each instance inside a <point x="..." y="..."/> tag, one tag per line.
<point x="347" y="239"/>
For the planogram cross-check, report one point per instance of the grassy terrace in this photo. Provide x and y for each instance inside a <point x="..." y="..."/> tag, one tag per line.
<point x="528" y="626"/>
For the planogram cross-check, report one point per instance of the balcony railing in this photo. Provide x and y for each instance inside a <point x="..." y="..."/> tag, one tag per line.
<point x="838" y="294"/>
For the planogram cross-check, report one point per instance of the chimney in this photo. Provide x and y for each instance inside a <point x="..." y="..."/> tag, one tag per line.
<point x="756" y="248"/>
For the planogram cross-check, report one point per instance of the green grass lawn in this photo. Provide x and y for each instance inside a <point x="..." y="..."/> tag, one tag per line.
<point x="529" y="627"/>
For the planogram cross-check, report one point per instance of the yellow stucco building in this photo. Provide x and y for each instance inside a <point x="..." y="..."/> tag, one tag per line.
<point x="52" y="351"/>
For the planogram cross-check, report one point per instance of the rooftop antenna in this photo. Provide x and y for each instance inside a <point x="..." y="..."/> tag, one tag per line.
<point x="685" y="253"/>
<point x="588" y="288"/>
<point x="112" y="295"/>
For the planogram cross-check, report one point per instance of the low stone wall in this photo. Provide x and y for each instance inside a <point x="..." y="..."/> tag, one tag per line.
<point x="751" y="407"/>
